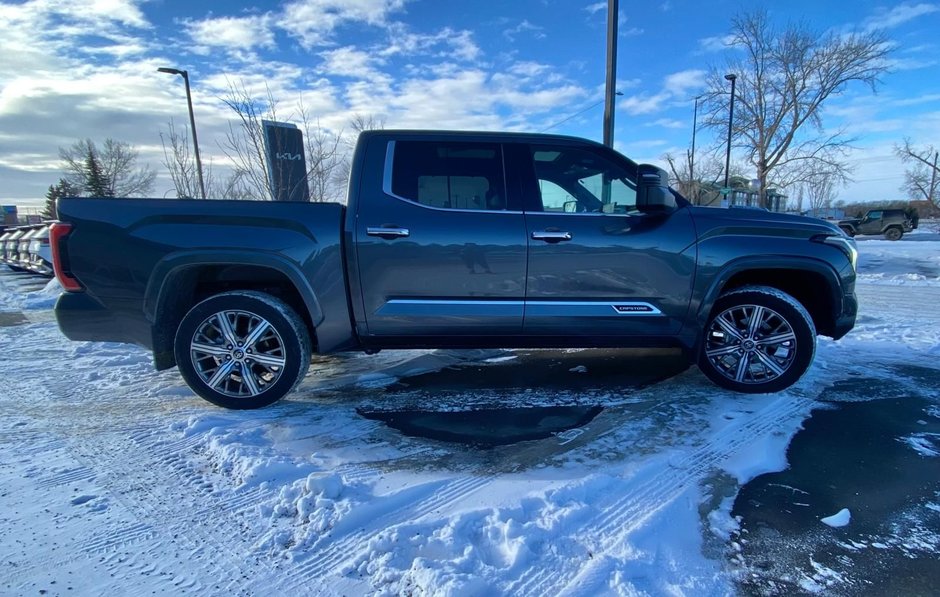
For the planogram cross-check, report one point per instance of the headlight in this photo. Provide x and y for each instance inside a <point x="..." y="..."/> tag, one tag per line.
<point x="844" y="243"/>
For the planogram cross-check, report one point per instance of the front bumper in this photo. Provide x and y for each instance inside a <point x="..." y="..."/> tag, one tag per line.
<point x="846" y="321"/>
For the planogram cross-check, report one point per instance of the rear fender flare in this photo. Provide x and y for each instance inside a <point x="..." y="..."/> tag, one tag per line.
<point x="156" y="293"/>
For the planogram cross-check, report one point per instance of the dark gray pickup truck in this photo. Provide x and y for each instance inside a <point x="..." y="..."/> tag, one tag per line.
<point x="454" y="240"/>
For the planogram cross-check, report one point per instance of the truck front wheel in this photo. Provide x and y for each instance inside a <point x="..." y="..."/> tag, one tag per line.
<point x="242" y="349"/>
<point x="758" y="339"/>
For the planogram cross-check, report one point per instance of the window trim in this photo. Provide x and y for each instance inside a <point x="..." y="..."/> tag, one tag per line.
<point x="387" y="186"/>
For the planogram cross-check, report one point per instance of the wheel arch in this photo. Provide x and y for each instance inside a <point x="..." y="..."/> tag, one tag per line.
<point x="180" y="281"/>
<point x="800" y="278"/>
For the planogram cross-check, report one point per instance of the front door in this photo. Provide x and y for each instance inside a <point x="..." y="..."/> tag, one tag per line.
<point x="440" y="252"/>
<point x="596" y="266"/>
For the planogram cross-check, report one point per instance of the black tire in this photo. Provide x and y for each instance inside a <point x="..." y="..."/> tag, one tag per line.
<point x="848" y="231"/>
<point x="213" y="364"/>
<point x="894" y="233"/>
<point x="769" y="357"/>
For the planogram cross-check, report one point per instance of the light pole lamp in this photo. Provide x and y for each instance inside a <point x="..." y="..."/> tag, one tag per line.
<point x="192" y="122"/>
<point x="692" y="155"/>
<point x="732" y="78"/>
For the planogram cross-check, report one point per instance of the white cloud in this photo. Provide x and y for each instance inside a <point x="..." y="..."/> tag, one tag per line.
<point x="682" y="82"/>
<point x="446" y="43"/>
<point x="232" y="33"/>
<point x="314" y="21"/>
<point x="350" y="62"/>
<point x="716" y="43"/>
<point x="898" y="15"/>
<point x="525" y="26"/>
<point x="636" y="105"/>
<point x="596" y="7"/>
<point x="669" y="123"/>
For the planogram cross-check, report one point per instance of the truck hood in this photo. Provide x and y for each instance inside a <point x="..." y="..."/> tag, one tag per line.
<point x="758" y="222"/>
<point x="854" y="221"/>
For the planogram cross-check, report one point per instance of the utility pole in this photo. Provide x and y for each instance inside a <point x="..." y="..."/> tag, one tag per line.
<point x="692" y="186"/>
<point x="732" y="78"/>
<point x="613" y="11"/>
<point x="933" y="179"/>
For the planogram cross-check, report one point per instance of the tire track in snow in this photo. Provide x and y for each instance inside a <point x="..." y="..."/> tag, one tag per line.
<point x="80" y="473"/>
<point x="327" y="558"/>
<point x="162" y="496"/>
<point x="632" y="510"/>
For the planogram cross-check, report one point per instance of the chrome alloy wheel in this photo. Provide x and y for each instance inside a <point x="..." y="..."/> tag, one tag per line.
<point x="750" y="344"/>
<point x="237" y="353"/>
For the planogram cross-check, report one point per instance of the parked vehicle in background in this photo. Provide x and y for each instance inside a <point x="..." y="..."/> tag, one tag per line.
<point x="27" y="249"/>
<point x="892" y="223"/>
<point x="11" y="255"/>
<point x="23" y="250"/>
<point x="456" y="240"/>
<point x="40" y="252"/>
<point x="7" y="233"/>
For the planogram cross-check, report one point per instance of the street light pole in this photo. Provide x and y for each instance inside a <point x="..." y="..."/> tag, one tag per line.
<point x="613" y="12"/>
<point x="730" y="77"/>
<point x="692" y="156"/>
<point x="192" y="122"/>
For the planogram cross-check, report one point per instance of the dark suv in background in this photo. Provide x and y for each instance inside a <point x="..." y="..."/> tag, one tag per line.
<point x="892" y="223"/>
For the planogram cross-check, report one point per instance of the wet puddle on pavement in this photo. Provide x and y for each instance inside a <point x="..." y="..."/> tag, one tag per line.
<point x="488" y="427"/>
<point x="522" y="396"/>
<point x="880" y="459"/>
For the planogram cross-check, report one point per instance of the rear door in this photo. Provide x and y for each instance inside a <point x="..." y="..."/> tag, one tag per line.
<point x="441" y="248"/>
<point x="596" y="266"/>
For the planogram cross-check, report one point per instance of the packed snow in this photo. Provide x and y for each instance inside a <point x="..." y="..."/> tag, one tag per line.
<point x="117" y="479"/>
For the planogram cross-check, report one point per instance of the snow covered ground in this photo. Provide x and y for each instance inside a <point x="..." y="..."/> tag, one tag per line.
<point x="117" y="479"/>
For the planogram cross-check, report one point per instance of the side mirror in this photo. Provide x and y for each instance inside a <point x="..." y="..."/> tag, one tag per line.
<point x="570" y="207"/>
<point x="652" y="191"/>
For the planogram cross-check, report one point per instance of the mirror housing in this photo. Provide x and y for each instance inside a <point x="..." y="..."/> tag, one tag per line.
<point x="652" y="192"/>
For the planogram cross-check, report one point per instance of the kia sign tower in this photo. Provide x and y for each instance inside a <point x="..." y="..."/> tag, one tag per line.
<point x="287" y="169"/>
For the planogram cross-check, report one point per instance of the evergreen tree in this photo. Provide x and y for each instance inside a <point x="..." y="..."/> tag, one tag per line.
<point x="97" y="183"/>
<point x="61" y="189"/>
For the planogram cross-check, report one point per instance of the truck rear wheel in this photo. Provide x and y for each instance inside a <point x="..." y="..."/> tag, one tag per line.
<point x="242" y="349"/>
<point x="894" y="233"/>
<point x="758" y="339"/>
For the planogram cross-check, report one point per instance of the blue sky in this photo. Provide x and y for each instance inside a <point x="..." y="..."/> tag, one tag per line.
<point x="87" y="68"/>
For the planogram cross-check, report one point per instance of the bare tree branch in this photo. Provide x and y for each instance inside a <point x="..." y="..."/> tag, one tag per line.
<point x="118" y="161"/>
<point x="783" y="79"/>
<point x="922" y="179"/>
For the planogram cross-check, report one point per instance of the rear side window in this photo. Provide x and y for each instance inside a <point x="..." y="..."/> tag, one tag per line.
<point x="449" y="175"/>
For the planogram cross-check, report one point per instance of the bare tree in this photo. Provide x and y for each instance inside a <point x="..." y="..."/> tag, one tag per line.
<point x="820" y="188"/>
<point x="784" y="76"/>
<point x="325" y="158"/>
<point x="709" y="169"/>
<point x="181" y="165"/>
<point x="179" y="162"/>
<point x="118" y="166"/>
<point x="922" y="179"/>
<point x="358" y="123"/>
<point x="244" y="143"/>
<point x="326" y="151"/>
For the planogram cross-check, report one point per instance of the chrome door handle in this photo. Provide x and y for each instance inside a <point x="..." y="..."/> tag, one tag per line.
<point x="552" y="236"/>
<point x="387" y="232"/>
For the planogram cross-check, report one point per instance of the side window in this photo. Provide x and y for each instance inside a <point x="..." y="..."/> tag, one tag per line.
<point x="874" y="215"/>
<point x="449" y="175"/>
<point x="578" y="180"/>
